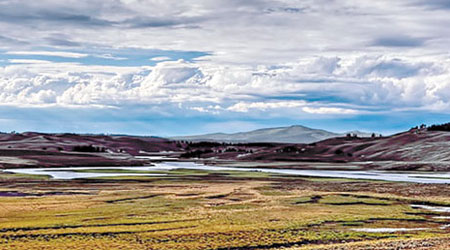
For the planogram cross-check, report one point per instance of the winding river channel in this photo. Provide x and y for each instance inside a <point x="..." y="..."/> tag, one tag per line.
<point x="90" y="172"/>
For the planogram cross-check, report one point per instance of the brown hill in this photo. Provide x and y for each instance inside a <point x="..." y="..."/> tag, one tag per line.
<point x="46" y="150"/>
<point x="414" y="149"/>
<point x="417" y="149"/>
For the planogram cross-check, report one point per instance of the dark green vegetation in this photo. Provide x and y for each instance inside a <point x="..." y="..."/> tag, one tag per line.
<point x="440" y="127"/>
<point x="87" y="148"/>
<point x="191" y="209"/>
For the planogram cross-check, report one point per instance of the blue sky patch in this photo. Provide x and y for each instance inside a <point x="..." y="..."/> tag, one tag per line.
<point x="104" y="57"/>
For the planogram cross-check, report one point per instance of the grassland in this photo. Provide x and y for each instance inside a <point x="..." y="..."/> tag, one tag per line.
<point x="209" y="210"/>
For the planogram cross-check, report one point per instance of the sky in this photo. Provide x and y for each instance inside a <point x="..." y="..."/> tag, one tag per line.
<point x="181" y="67"/>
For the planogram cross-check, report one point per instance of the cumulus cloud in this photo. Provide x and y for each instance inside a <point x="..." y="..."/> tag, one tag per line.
<point x="259" y="57"/>
<point x="365" y="83"/>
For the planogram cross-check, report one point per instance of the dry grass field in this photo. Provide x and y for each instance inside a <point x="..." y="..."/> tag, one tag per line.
<point x="219" y="210"/>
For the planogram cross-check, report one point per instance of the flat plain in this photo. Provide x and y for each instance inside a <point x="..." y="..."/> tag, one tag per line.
<point x="192" y="209"/>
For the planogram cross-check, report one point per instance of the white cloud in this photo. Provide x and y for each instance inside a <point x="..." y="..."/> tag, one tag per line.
<point x="236" y="32"/>
<point x="286" y="58"/>
<point x="28" y="61"/>
<point x="325" y="110"/>
<point x="316" y="85"/>
<point x="109" y="56"/>
<point x="246" y="106"/>
<point x="48" y="53"/>
<point x="160" y="58"/>
<point x="291" y="106"/>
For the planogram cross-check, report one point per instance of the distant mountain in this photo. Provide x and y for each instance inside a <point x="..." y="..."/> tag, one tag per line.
<point x="292" y="134"/>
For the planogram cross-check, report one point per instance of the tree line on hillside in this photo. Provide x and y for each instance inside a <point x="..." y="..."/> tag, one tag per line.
<point x="88" y="148"/>
<point x="440" y="127"/>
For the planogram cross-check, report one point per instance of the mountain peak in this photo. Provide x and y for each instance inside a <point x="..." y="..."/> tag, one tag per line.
<point x="291" y="134"/>
<point x="297" y="126"/>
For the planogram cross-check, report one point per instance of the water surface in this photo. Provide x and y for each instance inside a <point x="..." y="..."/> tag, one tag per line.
<point x="70" y="172"/>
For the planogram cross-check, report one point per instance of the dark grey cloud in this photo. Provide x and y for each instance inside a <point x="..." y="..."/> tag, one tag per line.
<point x="60" y="41"/>
<point x="433" y="4"/>
<point x="399" y="41"/>
<point x="4" y="40"/>
<point x="393" y="68"/>
<point x="156" y="22"/>
<point x="293" y="10"/>
<point x="72" y="18"/>
<point x="51" y="16"/>
<point x="146" y="22"/>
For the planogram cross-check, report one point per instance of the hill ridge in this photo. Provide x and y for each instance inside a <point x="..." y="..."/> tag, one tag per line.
<point x="288" y="134"/>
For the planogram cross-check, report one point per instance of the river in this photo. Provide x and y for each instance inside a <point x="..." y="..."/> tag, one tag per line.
<point x="72" y="173"/>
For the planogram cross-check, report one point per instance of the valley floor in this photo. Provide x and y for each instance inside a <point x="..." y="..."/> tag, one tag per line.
<point x="192" y="209"/>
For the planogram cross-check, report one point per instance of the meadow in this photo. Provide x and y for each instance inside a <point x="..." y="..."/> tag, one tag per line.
<point x="192" y="209"/>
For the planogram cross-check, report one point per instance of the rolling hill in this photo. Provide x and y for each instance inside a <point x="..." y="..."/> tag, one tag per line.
<point x="292" y="134"/>
<point x="56" y="150"/>
<point x="416" y="149"/>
